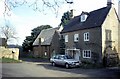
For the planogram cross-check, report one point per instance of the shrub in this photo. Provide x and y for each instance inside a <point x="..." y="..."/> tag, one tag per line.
<point x="89" y="64"/>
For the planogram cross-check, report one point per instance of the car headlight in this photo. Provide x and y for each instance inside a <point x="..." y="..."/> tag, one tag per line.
<point x="71" y="62"/>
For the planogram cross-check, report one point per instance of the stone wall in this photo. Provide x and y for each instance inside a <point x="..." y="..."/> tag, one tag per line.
<point x="111" y="23"/>
<point x="8" y="53"/>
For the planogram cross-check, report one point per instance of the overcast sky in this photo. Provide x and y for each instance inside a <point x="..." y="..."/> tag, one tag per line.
<point x="24" y="19"/>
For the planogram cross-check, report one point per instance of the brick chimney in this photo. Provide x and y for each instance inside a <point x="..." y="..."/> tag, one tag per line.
<point x="109" y="3"/>
<point x="74" y="12"/>
<point x="39" y="41"/>
<point x="119" y="9"/>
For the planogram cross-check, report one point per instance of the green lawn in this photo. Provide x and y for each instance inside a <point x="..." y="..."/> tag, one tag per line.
<point x="8" y="60"/>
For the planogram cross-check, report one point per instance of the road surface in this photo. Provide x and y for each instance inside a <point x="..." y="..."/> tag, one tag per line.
<point x="41" y="69"/>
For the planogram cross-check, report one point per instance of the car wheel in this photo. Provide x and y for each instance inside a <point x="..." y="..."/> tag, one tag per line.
<point x="53" y="64"/>
<point x="67" y="65"/>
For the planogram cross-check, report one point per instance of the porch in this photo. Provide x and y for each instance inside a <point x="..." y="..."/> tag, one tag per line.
<point x="73" y="52"/>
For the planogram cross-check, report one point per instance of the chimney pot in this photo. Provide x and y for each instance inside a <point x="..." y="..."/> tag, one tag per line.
<point x="109" y="2"/>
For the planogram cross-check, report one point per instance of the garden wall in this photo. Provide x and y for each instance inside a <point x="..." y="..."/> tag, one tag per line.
<point x="9" y="53"/>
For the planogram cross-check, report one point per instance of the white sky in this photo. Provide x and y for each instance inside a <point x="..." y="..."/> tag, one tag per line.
<point x="24" y="19"/>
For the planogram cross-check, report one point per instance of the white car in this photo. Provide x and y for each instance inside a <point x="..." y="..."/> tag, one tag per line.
<point x="64" y="60"/>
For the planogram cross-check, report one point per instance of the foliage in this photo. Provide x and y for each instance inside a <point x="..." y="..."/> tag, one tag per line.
<point x="111" y="60"/>
<point x="95" y="57"/>
<point x="36" y="5"/>
<point x="88" y="64"/>
<point x="9" y="60"/>
<point x="119" y="64"/>
<point x="67" y="16"/>
<point x="62" y="45"/>
<point x="8" y="33"/>
<point x="37" y="30"/>
<point x="27" y="44"/>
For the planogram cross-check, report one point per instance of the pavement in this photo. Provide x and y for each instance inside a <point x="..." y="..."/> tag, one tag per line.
<point x="42" y="68"/>
<point x="0" y="70"/>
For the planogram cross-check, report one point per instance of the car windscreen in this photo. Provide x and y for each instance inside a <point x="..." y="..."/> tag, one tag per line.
<point x="67" y="57"/>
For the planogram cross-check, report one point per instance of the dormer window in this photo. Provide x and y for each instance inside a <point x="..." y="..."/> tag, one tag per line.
<point x="42" y="40"/>
<point x="83" y="18"/>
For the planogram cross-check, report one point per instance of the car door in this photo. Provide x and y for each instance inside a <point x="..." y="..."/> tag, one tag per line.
<point x="56" y="60"/>
<point x="59" y="60"/>
<point x="62" y="60"/>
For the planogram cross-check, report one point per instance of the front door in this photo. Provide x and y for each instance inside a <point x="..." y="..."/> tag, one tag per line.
<point x="77" y="55"/>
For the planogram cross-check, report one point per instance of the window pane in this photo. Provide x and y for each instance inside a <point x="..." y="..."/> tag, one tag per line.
<point x="83" y="18"/>
<point x="66" y="38"/>
<point x="76" y="36"/>
<point x="86" y="53"/>
<point x="86" y="36"/>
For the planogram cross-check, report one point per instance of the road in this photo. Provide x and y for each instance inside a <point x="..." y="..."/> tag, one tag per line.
<point x="41" y="69"/>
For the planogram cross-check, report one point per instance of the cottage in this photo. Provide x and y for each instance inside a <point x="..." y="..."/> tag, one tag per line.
<point x="2" y="42"/>
<point x="93" y="35"/>
<point x="47" y="43"/>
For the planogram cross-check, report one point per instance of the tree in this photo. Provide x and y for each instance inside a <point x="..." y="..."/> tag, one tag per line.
<point x="62" y="45"/>
<point x="38" y="29"/>
<point x="27" y="44"/>
<point x="53" y="5"/>
<point x="67" y="16"/>
<point x="8" y="33"/>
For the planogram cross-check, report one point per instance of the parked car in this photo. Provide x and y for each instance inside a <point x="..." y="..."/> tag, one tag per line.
<point x="64" y="60"/>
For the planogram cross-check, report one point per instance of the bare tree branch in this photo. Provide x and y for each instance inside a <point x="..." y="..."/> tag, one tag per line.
<point x="53" y="5"/>
<point x="8" y="32"/>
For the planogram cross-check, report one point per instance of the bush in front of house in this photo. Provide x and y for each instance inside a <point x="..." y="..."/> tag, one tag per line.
<point x="119" y="64"/>
<point x="112" y="62"/>
<point x="88" y="64"/>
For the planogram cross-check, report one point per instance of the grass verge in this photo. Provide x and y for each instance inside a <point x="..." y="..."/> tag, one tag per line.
<point x="9" y="60"/>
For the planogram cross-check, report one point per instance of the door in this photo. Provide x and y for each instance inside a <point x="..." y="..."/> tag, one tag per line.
<point x="59" y="60"/>
<point x="77" y="55"/>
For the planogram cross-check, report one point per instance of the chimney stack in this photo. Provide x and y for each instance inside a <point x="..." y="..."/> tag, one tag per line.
<point x="109" y="3"/>
<point x="39" y="41"/>
<point x="119" y="9"/>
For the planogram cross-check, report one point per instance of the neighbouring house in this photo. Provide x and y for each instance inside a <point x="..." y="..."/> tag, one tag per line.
<point x="2" y="42"/>
<point x="47" y="43"/>
<point x="2" y="45"/>
<point x="93" y="35"/>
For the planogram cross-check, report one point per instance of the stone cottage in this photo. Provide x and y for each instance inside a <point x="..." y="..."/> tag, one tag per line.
<point x="93" y="35"/>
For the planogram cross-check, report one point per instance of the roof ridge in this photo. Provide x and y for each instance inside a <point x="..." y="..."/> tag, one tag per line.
<point x="94" y="19"/>
<point x="98" y="9"/>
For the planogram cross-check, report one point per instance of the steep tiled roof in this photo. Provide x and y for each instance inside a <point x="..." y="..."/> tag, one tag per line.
<point x="47" y="35"/>
<point x="95" y="19"/>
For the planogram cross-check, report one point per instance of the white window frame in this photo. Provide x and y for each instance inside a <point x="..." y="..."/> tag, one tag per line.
<point x="76" y="37"/>
<point x="86" y="36"/>
<point x="85" y="53"/>
<point x="83" y="18"/>
<point x="66" y="38"/>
